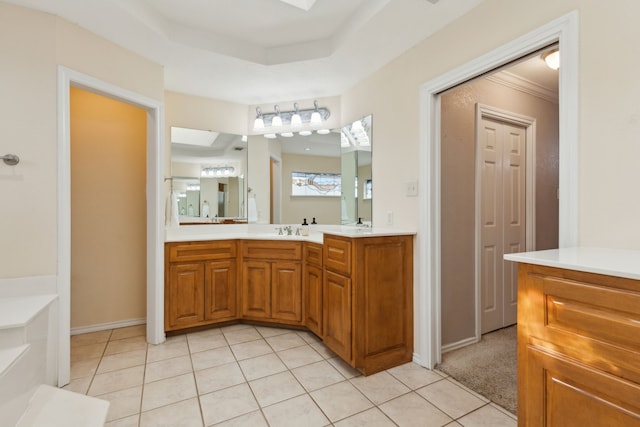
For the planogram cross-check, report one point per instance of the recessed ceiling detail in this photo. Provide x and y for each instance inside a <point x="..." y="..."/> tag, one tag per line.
<point x="261" y="51"/>
<point x="300" y="4"/>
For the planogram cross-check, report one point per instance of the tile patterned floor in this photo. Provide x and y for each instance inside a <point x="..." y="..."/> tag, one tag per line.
<point x="255" y="376"/>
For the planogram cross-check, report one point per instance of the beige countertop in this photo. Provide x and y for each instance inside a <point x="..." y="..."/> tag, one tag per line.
<point x="612" y="262"/>
<point x="198" y="232"/>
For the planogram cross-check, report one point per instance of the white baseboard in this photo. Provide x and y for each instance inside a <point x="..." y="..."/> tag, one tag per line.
<point x="462" y="343"/>
<point x="106" y="326"/>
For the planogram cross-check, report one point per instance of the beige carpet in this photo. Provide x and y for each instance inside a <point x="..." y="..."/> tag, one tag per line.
<point x="488" y="367"/>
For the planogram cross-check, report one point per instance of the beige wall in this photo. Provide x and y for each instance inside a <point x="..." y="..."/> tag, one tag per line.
<point x="33" y="44"/>
<point x="458" y="190"/>
<point x="608" y="108"/>
<point x="108" y="210"/>
<point x="326" y="210"/>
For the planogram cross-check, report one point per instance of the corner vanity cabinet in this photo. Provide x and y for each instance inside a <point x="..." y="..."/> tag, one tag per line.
<point x="368" y="300"/>
<point x="355" y="293"/>
<point x="578" y="348"/>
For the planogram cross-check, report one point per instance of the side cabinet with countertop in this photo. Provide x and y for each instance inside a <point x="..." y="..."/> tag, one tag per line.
<point x="368" y="300"/>
<point x="578" y="348"/>
<point x="200" y="283"/>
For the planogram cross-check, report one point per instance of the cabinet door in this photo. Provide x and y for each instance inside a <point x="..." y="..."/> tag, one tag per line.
<point x="256" y="289"/>
<point x="568" y="393"/>
<point x="221" y="300"/>
<point x="312" y="295"/>
<point x="336" y="310"/>
<point x="286" y="291"/>
<point x="185" y="288"/>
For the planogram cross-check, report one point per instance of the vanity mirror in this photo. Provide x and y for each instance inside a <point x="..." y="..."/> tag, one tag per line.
<point x="357" y="193"/>
<point x="325" y="175"/>
<point x="208" y="170"/>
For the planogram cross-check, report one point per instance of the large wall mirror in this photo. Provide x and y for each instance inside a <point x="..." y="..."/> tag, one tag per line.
<point x="324" y="175"/>
<point x="209" y="175"/>
<point x="227" y="178"/>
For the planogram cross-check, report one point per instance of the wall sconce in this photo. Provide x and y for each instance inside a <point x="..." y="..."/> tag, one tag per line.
<point x="217" y="171"/>
<point x="294" y="118"/>
<point x="552" y="58"/>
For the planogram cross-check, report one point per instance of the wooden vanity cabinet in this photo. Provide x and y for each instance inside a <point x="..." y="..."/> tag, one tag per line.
<point x="200" y="283"/>
<point x="272" y="281"/>
<point x="578" y="348"/>
<point x="312" y="287"/>
<point x="368" y="300"/>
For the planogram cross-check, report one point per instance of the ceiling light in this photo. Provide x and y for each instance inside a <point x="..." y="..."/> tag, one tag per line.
<point x="552" y="58"/>
<point x="270" y="135"/>
<point x="258" y="124"/>
<point x="296" y="120"/>
<point x="287" y="134"/>
<point x="305" y="133"/>
<point x="323" y="131"/>
<point x="307" y="148"/>
<point x="276" y="121"/>
<point x="357" y="126"/>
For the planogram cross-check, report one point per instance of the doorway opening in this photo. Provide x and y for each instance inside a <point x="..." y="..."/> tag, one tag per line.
<point x="497" y="184"/>
<point x="564" y="32"/>
<point x="154" y="209"/>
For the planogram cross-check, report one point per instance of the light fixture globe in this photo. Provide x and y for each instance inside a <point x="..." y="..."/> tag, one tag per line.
<point x="276" y="122"/>
<point x="552" y="59"/>
<point x="258" y="124"/>
<point x="296" y="120"/>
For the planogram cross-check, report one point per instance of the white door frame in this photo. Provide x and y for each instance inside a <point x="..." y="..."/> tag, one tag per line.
<point x="155" y="213"/>
<point x="564" y="31"/>
<point x="529" y="123"/>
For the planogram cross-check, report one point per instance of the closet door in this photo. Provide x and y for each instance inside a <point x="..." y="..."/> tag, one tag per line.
<point x="502" y="151"/>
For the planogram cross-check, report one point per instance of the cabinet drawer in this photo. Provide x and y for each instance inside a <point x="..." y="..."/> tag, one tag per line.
<point x="313" y="254"/>
<point x="201" y="251"/>
<point x="272" y="249"/>
<point x="337" y="254"/>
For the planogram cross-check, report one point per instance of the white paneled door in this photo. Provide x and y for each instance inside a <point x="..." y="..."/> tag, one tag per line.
<point x="502" y="161"/>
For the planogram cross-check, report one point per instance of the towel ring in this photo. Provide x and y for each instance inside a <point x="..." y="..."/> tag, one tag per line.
<point x="10" y="159"/>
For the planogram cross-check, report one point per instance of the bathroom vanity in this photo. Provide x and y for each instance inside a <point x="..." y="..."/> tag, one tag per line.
<point x="352" y="287"/>
<point x="578" y="337"/>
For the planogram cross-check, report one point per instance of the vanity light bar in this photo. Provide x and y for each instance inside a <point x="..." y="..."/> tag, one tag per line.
<point x="214" y="171"/>
<point x="313" y="116"/>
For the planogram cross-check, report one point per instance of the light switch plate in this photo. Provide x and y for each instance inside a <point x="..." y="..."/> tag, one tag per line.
<point x="412" y="189"/>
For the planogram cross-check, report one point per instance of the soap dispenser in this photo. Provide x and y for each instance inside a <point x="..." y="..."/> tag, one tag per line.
<point x="304" y="230"/>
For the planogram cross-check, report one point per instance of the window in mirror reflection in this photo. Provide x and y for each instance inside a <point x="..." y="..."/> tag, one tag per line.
<point x="315" y="184"/>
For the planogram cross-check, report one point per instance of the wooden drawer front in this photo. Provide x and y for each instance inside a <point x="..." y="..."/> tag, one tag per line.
<point x="604" y="314"/>
<point x="565" y="393"/>
<point x="337" y="255"/>
<point x="313" y="254"/>
<point x="588" y="321"/>
<point x="270" y="249"/>
<point x="201" y="251"/>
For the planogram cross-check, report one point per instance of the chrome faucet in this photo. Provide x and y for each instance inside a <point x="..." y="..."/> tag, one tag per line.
<point x="289" y="230"/>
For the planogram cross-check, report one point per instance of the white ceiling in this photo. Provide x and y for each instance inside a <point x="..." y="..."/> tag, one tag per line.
<point x="261" y="51"/>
